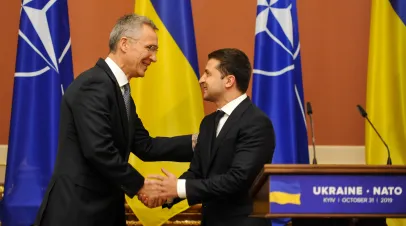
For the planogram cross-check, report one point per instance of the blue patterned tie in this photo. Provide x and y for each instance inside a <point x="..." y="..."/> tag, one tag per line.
<point x="127" y="98"/>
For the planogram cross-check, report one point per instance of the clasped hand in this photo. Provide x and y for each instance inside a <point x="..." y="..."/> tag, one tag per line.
<point x="158" y="189"/>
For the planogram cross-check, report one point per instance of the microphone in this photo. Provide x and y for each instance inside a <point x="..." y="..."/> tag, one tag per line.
<point x="365" y="115"/>
<point x="310" y="113"/>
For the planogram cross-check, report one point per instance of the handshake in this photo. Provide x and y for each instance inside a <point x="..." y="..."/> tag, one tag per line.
<point x="158" y="189"/>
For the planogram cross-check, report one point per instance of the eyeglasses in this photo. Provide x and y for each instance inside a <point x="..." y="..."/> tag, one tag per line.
<point x="150" y="48"/>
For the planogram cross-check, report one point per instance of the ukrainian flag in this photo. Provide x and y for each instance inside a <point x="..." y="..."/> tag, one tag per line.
<point x="284" y="192"/>
<point x="386" y="85"/>
<point x="168" y="99"/>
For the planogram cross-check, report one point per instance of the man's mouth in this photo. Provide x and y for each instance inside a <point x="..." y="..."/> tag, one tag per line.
<point x="146" y="64"/>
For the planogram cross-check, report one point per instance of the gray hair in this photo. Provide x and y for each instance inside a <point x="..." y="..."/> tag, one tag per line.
<point x="126" y="25"/>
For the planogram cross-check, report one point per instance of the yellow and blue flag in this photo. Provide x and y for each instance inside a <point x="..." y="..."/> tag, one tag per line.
<point x="386" y="85"/>
<point x="284" y="192"/>
<point x="43" y="71"/>
<point x="168" y="98"/>
<point x="277" y="81"/>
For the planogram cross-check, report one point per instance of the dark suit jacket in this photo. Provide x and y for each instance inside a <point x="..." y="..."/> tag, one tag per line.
<point x="92" y="172"/>
<point x="220" y="177"/>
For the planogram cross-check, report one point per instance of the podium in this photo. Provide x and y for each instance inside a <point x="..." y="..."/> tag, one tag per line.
<point x="330" y="191"/>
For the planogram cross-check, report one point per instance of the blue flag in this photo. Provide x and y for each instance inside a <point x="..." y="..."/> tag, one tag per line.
<point x="43" y="71"/>
<point x="277" y="80"/>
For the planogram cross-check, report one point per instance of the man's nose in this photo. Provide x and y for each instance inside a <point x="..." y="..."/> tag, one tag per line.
<point x="153" y="57"/>
<point x="202" y="79"/>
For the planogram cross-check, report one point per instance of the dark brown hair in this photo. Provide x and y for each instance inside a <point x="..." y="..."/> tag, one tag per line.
<point x="234" y="62"/>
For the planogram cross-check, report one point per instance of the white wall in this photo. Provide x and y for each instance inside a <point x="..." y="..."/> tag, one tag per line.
<point x="325" y="155"/>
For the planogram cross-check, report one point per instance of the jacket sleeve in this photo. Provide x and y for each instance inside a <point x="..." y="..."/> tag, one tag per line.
<point x="195" y="167"/>
<point x="194" y="171"/>
<point x="177" y="149"/>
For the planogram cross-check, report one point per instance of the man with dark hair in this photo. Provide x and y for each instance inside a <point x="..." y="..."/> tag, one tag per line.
<point x="233" y="145"/>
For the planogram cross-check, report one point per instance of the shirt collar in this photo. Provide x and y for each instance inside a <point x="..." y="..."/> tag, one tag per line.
<point x="118" y="73"/>
<point x="230" y="106"/>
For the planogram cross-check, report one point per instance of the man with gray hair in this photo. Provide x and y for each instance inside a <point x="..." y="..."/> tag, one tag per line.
<point x="99" y="127"/>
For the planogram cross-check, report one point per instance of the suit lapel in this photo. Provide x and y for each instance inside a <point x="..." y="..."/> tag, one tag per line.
<point x="207" y="139"/>
<point x="231" y="121"/>
<point x="119" y="97"/>
<point x="131" y="120"/>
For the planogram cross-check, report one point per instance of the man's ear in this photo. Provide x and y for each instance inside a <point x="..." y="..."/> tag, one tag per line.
<point x="230" y="81"/>
<point x="123" y="44"/>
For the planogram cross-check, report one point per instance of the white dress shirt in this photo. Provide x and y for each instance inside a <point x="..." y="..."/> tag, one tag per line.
<point x="228" y="109"/>
<point x="118" y="73"/>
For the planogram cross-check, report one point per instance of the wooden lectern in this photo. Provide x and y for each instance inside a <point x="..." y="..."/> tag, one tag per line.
<point x="338" y="191"/>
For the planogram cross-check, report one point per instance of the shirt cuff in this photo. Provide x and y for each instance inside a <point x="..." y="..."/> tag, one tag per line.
<point x="181" y="188"/>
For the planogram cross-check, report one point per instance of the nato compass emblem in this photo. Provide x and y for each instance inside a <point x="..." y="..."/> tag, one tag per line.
<point x="276" y="37"/>
<point x="44" y="39"/>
